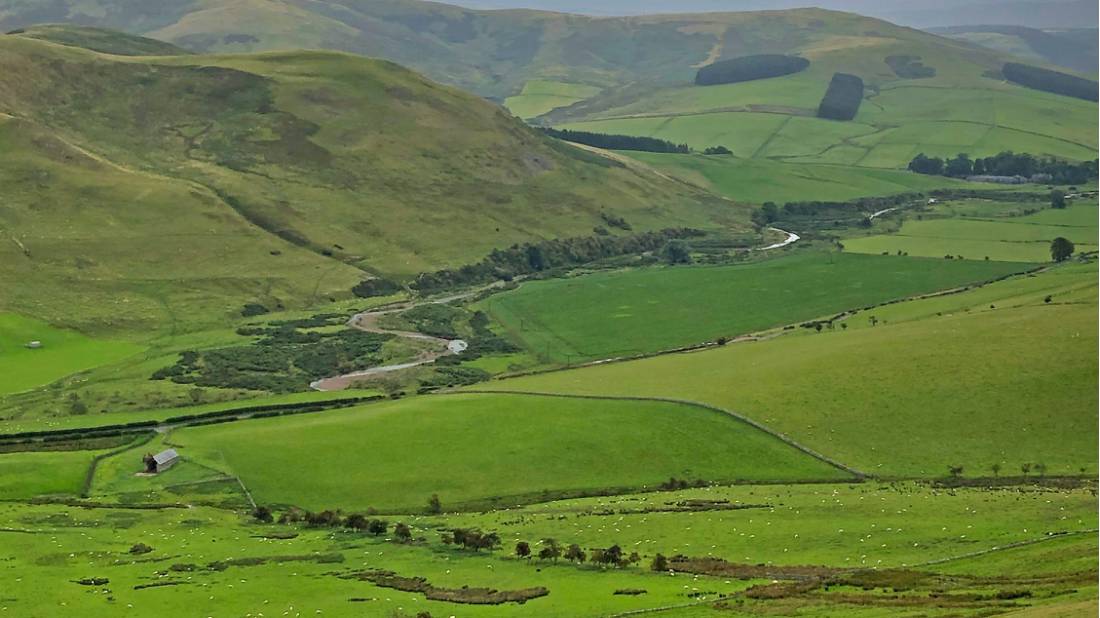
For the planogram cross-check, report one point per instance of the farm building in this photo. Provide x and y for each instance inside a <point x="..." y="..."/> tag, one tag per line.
<point x="33" y="345"/>
<point x="161" y="461"/>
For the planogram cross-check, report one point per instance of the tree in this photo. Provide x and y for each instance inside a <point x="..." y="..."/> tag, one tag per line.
<point x="356" y="521"/>
<point x="1060" y="249"/>
<point x="922" y="164"/>
<point x="377" y="527"/>
<point x="574" y="553"/>
<point x="955" y="470"/>
<point x="771" y="212"/>
<point x="1057" y="199"/>
<point x="402" y="532"/>
<point x="550" y="550"/>
<point x="678" y="252"/>
<point x="434" y="506"/>
<point x="959" y="167"/>
<point x="659" y="564"/>
<point x="1041" y="469"/>
<point x="1025" y="468"/>
<point x="717" y="150"/>
<point x="996" y="468"/>
<point x="263" y="514"/>
<point x="523" y="549"/>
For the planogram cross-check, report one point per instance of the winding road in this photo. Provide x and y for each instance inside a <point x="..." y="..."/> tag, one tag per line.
<point x="368" y="321"/>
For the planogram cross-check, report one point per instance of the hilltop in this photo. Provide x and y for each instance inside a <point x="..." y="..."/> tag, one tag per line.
<point x="288" y="177"/>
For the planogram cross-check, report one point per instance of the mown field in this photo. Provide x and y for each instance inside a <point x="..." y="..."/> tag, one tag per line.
<point x="486" y="449"/>
<point x="631" y="312"/>
<point x="991" y="376"/>
<point x="63" y="352"/>
<point x="984" y="232"/>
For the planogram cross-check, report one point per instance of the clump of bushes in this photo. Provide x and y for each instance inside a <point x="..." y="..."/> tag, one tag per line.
<point x="747" y="68"/>
<point x="285" y="360"/>
<point x="909" y="67"/>
<point x="531" y="258"/>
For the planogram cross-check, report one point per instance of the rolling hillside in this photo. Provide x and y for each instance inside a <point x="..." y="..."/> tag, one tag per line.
<point x="635" y="75"/>
<point x="287" y="177"/>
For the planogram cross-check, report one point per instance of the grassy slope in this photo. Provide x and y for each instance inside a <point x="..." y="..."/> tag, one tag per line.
<point x="636" y="311"/>
<point x="281" y="182"/>
<point x="969" y="385"/>
<point x="474" y="447"/>
<point x="1024" y="238"/>
<point x="62" y="352"/>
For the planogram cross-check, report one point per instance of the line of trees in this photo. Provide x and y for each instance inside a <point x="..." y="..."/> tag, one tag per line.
<point x="1047" y="80"/>
<point x="843" y="98"/>
<point x="530" y="258"/>
<point x="611" y="141"/>
<point x="748" y="68"/>
<point x="1006" y="163"/>
<point x="552" y="550"/>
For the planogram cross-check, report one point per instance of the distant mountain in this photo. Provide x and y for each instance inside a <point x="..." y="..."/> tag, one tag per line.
<point x="1073" y="49"/>
<point x="931" y="13"/>
<point x="193" y="184"/>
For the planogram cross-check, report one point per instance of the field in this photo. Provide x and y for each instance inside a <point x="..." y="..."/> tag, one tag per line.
<point x="541" y="96"/>
<point x="537" y="444"/>
<point x="858" y="396"/>
<point x="659" y="308"/>
<point x="986" y="232"/>
<point x="212" y="561"/>
<point x="62" y="353"/>
<point x="762" y="180"/>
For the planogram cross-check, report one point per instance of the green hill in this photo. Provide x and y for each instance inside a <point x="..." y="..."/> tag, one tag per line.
<point x="286" y="177"/>
<point x="635" y="75"/>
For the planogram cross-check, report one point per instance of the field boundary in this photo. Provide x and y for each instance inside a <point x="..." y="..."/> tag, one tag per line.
<point x="706" y="406"/>
<point x="89" y="476"/>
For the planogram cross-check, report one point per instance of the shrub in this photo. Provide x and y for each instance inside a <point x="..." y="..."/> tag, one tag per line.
<point x="140" y="548"/>
<point x="717" y="150"/>
<point x="909" y="67"/>
<point x="375" y="287"/>
<point x="748" y="68"/>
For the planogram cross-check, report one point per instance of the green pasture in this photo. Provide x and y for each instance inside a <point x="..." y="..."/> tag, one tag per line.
<point x="763" y="180"/>
<point x="541" y="96"/>
<point x="872" y="524"/>
<point x="1016" y="239"/>
<point x="310" y="574"/>
<point x="480" y="448"/>
<point x="25" y="475"/>
<point x="631" y="312"/>
<point x="63" y="352"/>
<point x="893" y="399"/>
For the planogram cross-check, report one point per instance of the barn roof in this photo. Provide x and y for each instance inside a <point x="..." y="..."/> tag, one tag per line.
<point x="165" y="456"/>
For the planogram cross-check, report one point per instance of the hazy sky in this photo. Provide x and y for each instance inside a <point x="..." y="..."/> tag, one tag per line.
<point x="916" y="13"/>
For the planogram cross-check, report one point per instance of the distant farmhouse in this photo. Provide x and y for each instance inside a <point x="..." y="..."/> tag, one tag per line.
<point x="33" y="345"/>
<point x="161" y="461"/>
